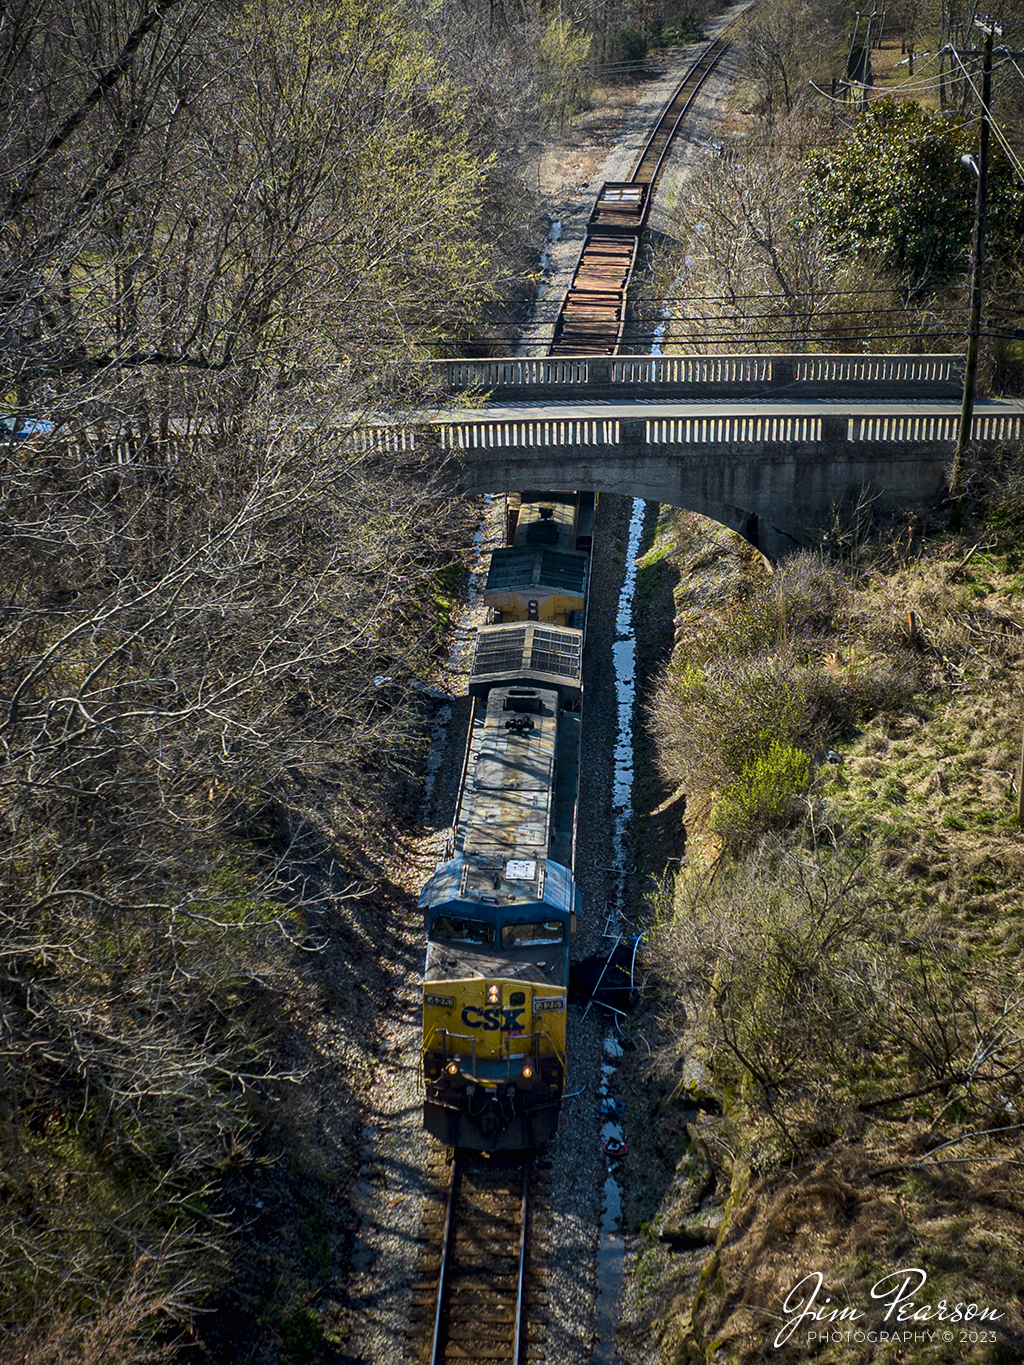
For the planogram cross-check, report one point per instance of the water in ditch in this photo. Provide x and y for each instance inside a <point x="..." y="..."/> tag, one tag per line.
<point x="610" y="1250"/>
<point x="528" y="343"/>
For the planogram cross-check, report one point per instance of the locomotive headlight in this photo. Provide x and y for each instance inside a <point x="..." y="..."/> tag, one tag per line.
<point x="526" y="1072"/>
<point x="452" y="1068"/>
<point x="494" y="995"/>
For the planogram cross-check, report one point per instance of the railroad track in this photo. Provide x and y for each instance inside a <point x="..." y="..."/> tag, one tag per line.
<point x="648" y="167"/>
<point x="479" y="1294"/>
<point x="593" y="312"/>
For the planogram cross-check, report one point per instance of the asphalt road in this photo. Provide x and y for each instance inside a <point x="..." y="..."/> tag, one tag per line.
<point x="696" y="407"/>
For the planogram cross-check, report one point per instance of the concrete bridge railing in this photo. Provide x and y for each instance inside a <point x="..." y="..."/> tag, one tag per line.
<point x="709" y="376"/>
<point x="828" y="431"/>
<point x="773" y="477"/>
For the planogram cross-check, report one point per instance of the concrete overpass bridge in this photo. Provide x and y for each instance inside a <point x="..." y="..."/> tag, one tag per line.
<point x="764" y="444"/>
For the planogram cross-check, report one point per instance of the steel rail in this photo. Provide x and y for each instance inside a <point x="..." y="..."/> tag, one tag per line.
<point x="449" y="1269"/>
<point x="670" y="104"/>
<point x="698" y="76"/>
<point x="437" y="1346"/>
<point x="521" y="1286"/>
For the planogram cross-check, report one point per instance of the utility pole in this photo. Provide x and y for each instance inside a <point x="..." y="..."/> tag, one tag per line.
<point x="977" y="265"/>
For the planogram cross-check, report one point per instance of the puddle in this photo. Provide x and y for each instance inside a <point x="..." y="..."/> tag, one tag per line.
<point x="609" y="1274"/>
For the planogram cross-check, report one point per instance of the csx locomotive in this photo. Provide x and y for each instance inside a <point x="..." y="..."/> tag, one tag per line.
<point x="501" y="909"/>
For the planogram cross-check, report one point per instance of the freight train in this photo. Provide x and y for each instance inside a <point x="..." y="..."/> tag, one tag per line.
<point x="501" y="909"/>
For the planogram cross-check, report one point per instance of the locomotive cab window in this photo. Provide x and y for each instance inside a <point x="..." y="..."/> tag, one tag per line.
<point x="447" y="929"/>
<point x="526" y="935"/>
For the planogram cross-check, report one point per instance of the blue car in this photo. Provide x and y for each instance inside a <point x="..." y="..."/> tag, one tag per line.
<point x="23" y="428"/>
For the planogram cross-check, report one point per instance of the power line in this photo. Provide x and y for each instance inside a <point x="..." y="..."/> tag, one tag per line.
<point x="657" y="299"/>
<point x="853" y="292"/>
<point x="660" y="300"/>
<point x="806" y="333"/>
<point x="874" y="93"/>
<point x="995" y="126"/>
<point x="740" y="337"/>
<point x="810" y="316"/>
<point x="726" y="314"/>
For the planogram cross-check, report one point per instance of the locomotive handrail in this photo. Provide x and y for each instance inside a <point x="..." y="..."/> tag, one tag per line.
<point x="535" y="1036"/>
<point x="467" y="751"/>
<point x="446" y="1034"/>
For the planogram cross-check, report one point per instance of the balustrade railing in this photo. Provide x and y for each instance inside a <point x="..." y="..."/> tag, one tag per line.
<point x="745" y="373"/>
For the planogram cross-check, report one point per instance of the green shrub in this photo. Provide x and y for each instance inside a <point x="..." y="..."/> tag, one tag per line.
<point x="301" y="1334"/>
<point x="801" y="970"/>
<point x="773" y="663"/>
<point x="766" y="796"/>
<point x="563" y="52"/>
<point x="681" y="30"/>
<point x="709" y="719"/>
<point x="632" y="44"/>
<point x="838" y="699"/>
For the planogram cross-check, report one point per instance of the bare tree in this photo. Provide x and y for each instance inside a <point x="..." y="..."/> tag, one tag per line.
<point x="223" y="228"/>
<point x="754" y="270"/>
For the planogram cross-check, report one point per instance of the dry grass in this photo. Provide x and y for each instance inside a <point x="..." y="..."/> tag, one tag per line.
<point x="815" y="1170"/>
<point x="853" y="1224"/>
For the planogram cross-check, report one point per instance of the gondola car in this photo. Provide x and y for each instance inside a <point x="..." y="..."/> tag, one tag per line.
<point x="501" y="909"/>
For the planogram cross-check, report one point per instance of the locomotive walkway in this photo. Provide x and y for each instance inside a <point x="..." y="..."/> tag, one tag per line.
<point x="764" y="444"/>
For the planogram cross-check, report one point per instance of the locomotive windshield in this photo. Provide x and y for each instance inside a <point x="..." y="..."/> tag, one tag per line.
<point x="450" y="930"/>
<point x="527" y="935"/>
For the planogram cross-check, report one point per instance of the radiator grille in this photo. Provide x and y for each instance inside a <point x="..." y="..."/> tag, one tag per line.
<point x="565" y="571"/>
<point x="557" y="652"/>
<point x="500" y="651"/>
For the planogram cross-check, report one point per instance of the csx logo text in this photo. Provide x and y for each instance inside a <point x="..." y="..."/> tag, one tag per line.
<point x="492" y="1018"/>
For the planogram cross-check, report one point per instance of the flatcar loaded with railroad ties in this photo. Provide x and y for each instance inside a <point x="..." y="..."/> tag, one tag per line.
<point x="501" y="908"/>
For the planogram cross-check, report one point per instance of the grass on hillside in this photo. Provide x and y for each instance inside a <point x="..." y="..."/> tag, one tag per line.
<point x="839" y="1017"/>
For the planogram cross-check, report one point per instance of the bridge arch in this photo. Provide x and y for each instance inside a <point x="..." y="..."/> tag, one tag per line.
<point x="776" y="496"/>
<point x="771" y="540"/>
<point x="765" y="444"/>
